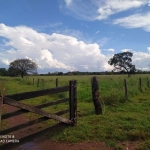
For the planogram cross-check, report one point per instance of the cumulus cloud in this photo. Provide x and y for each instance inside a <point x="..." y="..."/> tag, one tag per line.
<point x="58" y="52"/>
<point x="148" y="48"/>
<point x="51" y="52"/>
<point x="141" y="60"/>
<point x="135" y="21"/>
<point x="98" y="10"/>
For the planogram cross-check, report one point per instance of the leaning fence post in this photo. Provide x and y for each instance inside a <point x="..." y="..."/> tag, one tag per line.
<point x="126" y="88"/>
<point x="95" y="95"/>
<point x="73" y="101"/>
<point x="140" y="84"/>
<point x="56" y="82"/>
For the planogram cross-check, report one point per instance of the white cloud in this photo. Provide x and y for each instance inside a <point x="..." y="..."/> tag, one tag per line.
<point x="51" y="52"/>
<point x="68" y="2"/>
<point x="51" y="25"/>
<point x="99" y="10"/>
<point x="126" y="50"/>
<point x="135" y="21"/>
<point x="112" y="7"/>
<point x="25" y="41"/>
<point x="148" y="48"/>
<point x="111" y="50"/>
<point x="102" y="41"/>
<point x="97" y="31"/>
<point x="70" y="32"/>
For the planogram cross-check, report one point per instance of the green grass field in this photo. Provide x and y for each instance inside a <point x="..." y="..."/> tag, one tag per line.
<point x="122" y="119"/>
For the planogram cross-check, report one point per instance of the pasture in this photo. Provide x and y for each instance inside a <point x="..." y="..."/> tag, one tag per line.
<point x="123" y="120"/>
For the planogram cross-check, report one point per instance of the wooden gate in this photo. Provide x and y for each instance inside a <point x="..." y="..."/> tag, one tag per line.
<point x="14" y="99"/>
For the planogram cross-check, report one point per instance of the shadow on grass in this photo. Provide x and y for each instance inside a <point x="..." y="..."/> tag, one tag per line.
<point x="27" y="139"/>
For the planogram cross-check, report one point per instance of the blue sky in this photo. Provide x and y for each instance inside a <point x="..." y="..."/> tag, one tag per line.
<point x="74" y="35"/>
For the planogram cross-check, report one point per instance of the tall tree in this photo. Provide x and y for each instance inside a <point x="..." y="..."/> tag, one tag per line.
<point x="23" y="66"/>
<point x="122" y="62"/>
<point x="13" y="72"/>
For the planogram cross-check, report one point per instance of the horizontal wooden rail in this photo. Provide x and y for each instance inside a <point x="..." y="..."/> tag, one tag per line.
<point x="33" y="94"/>
<point x="36" y="110"/>
<point x="29" y="123"/>
<point x="22" y="111"/>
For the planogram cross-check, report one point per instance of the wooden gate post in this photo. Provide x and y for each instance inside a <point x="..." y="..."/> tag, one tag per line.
<point x="126" y="89"/>
<point x="95" y="95"/>
<point x="73" y="101"/>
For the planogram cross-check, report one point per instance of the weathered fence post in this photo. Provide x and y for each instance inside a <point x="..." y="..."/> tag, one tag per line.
<point x="95" y="96"/>
<point x="43" y="83"/>
<point x="147" y="82"/>
<point x="38" y="82"/>
<point x="33" y="81"/>
<point x="140" y="84"/>
<point x="56" y="82"/>
<point x="126" y="88"/>
<point x="73" y="101"/>
<point x="1" y="104"/>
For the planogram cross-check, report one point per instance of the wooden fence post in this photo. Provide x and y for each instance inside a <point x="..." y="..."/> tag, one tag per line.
<point x="56" y="82"/>
<point x="38" y="82"/>
<point x="147" y="82"/>
<point x="126" y="88"/>
<point x="43" y="83"/>
<point x="95" y="95"/>
<point x="73" y="101"/>
<point x="33" y="81"/>
<point x="1" y="104"/>
<point x="140" y="84"/>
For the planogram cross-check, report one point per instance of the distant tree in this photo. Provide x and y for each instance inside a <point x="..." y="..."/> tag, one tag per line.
<point x="3" y="72"/>
<point x="139" y="71"/>
<point x="60" y="73"/>
<point x="122" y="62"/>
<point x="23" y="66"/>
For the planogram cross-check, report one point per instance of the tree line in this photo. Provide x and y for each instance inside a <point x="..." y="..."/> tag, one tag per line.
<point x="5" y="72"/>
<point x="121" y="62"/>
